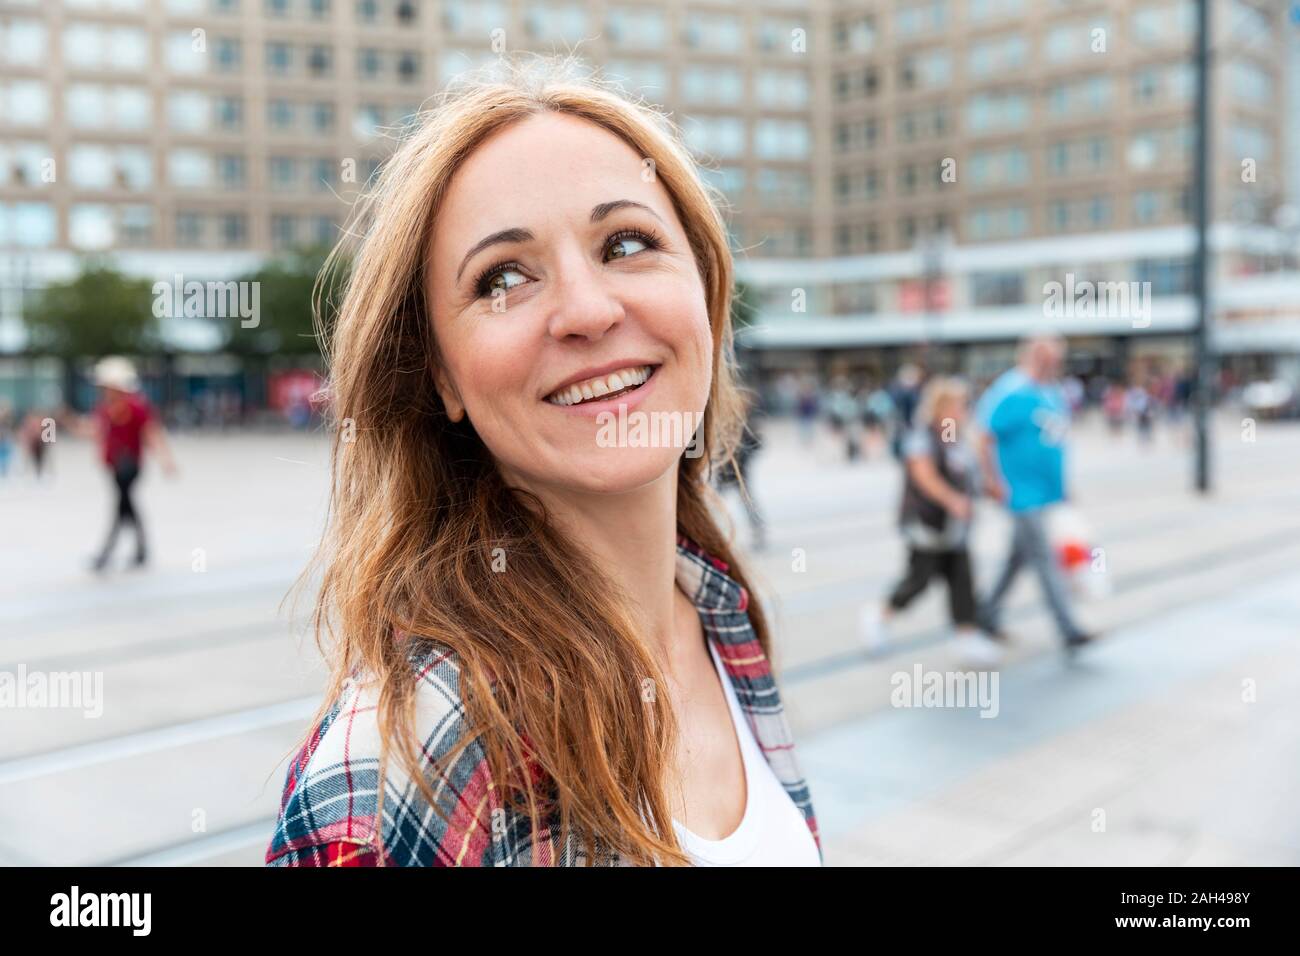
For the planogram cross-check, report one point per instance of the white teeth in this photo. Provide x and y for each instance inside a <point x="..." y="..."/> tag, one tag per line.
<point x="601" y="385"/>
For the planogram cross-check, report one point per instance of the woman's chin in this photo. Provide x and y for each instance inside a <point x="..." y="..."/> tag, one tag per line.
<point x="614" y="471"/>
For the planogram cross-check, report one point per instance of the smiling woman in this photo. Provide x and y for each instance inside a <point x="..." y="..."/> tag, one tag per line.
<point x="542" y="648"/>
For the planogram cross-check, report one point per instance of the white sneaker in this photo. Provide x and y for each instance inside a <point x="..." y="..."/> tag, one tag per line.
<point x="873" y="629"/>
<point x="978" y="650"/>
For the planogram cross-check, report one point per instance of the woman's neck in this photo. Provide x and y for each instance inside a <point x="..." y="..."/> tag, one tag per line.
<point x="632" y="537"/>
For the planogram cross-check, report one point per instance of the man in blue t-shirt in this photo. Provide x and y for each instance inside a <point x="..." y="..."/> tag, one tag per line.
<point x="1025" y="419"/>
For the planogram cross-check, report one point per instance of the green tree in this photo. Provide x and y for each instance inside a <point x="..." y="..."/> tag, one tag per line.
<point x="98" y="312"/>
<point x="745" y="304"/>
<point x="285" y="288"/>
<point x="287" y="296"/>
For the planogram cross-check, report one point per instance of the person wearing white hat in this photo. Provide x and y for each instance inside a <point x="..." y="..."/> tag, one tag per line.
<point x="125" y="424"/>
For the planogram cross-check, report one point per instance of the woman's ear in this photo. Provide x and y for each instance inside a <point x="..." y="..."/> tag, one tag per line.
<point x="447" y="392"/>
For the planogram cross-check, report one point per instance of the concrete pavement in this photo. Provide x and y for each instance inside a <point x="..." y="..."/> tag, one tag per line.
<point x="208" y="681"/>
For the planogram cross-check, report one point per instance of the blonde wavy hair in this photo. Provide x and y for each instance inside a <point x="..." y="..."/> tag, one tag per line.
<point x="938" y="391"/>
<point x="551" y="660"/>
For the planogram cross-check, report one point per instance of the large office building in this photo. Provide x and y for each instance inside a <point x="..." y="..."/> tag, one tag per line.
<point x="897" y="170"/>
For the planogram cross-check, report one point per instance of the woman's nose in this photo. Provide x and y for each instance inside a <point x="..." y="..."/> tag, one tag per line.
<point x="585" y="303"/>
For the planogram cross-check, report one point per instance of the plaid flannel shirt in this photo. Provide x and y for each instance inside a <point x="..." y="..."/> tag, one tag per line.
<point x="327" y="812"/>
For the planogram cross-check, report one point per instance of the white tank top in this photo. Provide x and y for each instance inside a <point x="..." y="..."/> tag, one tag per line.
<point x="773" y="831"/>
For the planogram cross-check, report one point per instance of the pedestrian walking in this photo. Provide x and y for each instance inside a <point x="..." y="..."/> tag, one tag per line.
<point x="125" y="426"/>
<point x="736" y="475"/>
<point x="7" y="436"/>
<point x="33" y="437"/>
<point x="941" y="481"/>
<point x="905" y="392"/>
<point x="1025" y="420"/>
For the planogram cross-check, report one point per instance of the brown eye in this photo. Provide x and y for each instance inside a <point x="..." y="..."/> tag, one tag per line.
<point x="625" y="242"/>
<point x="488" y="284"/>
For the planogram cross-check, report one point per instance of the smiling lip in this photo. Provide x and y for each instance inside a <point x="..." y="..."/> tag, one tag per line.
<point x="598" y="371"/>
<point x="628" y="400"/>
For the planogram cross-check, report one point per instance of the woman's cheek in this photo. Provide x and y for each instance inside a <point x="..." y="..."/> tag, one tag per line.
<point x="499" y="368"/>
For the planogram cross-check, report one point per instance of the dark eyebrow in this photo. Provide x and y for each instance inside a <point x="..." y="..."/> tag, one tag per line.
<point x="505" y="235"/>
<point x="605" y="208"/>
<point x="518" y="234"/>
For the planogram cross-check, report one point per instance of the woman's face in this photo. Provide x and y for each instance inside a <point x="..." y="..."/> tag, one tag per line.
<point x="556" y="260"/>
<point x="953" y="408"/>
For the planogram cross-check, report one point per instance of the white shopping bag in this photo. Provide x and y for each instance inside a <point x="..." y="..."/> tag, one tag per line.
<point x="1081" y="560"/>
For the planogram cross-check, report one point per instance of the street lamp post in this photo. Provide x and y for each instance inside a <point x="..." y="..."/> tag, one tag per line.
<point x="1201" y="393"/>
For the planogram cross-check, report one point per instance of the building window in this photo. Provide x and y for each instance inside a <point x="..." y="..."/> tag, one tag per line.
<point x="997" y="288"/>
<point x="322" y="175"/>
<point x="22" y="42"/>
<point x="997" y="55"/>
<point x="1166" y="24"/>
<point x="227" y="54"/>
<point x="93" y="46"/>
<point x="545" y="21"/>
<point x="367" y="121"/>
<point x="189" y="229"/>
<point x="629" y="27"/>
<point x="324" y="231"/>
<point x="979" y="11"/>
<point x="729" y="179"/>
<point x="408" y="66"/>
<point x="1070" y="41"/>
<point x="27" y="224"/>
<point x="857" y="35"/>
<point x="1167" y="276"/>
<point x="279" y="114"/>
<point x="990" y="112"/>
<point x="283" y="171"/>
<point x="136" y="225"/>
<point x="921" y="19"/>
<point x="997" y="222"/>
<point x="1146" y="206"/>
<point x="776" y="36"/>
<point x="782" y="139"/>
<point x="322" y="117"/>
<point x="284" y="230"/>
<point x="189" y="168"/>
<point x="320" y="60"/>
<point x="91" y="226"/>
<point x="234" y="229"/>
<point x="718" y="33"/>
<point x="925" y="70"/>
<point x="230" y="112"/>
<point x="231" y="169"/>
<point x="279" y="58"/>
<point x="92" y="106"/>
<point x="716" y="135"/>
<point x="782" y="89"/>
<point x="712" y="84"/>
<point x="368" y="63"/>
<point x="187" y="111"/>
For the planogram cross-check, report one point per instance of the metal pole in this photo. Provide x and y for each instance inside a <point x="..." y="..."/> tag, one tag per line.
<point x="1201" y="268"/>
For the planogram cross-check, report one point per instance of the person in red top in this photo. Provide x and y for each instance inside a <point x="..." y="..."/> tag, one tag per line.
<point x="125" y="424"/>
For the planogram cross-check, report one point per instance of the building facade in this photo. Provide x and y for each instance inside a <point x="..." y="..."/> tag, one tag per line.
<point x="898" y="170"/>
